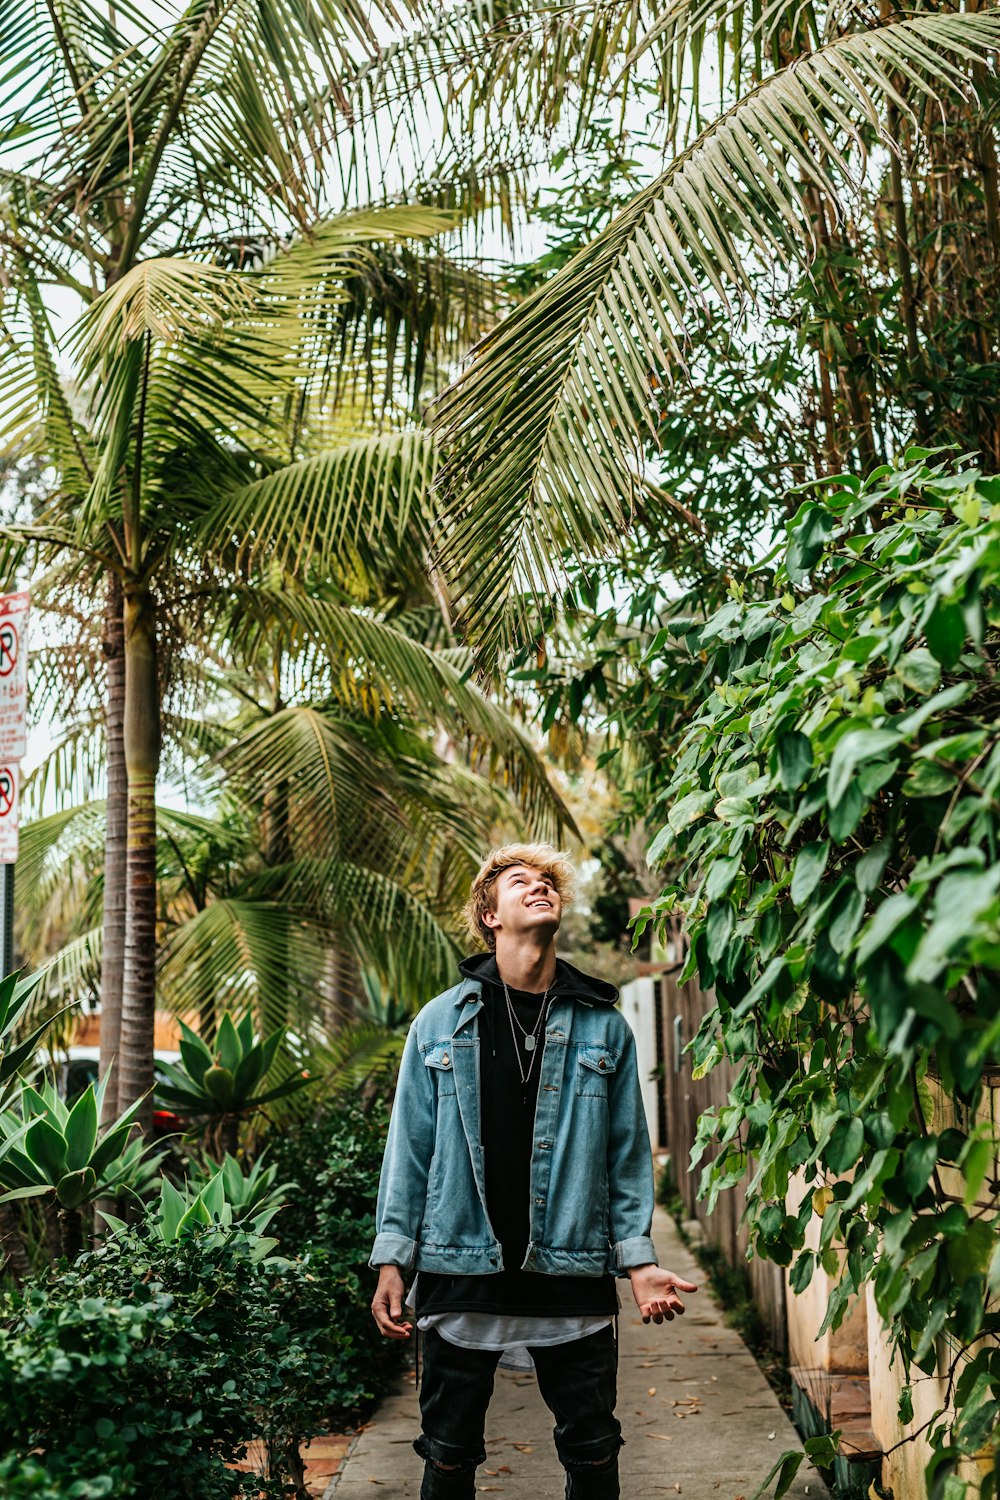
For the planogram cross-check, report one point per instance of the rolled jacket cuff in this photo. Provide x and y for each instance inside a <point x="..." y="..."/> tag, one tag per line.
<point x="626" y="1254"/>
<point x="393" y="1250"/>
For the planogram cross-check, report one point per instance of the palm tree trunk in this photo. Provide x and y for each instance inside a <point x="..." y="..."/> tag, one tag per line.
<point x="142" y="759"/>
<point x="115" y="843"/>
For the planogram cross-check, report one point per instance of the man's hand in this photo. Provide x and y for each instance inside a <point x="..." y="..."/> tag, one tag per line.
<point x="655" y="1292"/>
<point x="387" y="1304"/>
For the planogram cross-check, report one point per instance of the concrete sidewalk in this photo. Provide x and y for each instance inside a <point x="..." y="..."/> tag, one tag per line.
<point x="698" y="1417"/>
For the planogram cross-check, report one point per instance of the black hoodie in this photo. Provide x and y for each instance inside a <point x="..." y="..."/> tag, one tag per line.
<point x="508" y="1112"/>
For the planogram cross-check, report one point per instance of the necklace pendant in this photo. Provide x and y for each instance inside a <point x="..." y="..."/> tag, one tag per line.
<point x="529" y="1044"/>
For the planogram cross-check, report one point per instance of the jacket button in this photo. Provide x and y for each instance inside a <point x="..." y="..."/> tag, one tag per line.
<point x="602" y="1064"/>
<point x="446" y="1060"/>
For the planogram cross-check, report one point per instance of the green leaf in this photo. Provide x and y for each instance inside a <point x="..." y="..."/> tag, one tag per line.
<point x="845" y="1145"/>
<point x="219" y="1084"/>
<point x="785" y="1469"/>
<point x="918" y="1163"/>
<point x="795" y="759"/>
<point x="945" y="631"/>
<point x="719" y="928"/>
<point x="808" y="534"/>
<point x="845" y="817"/>
<point x="172" y="1208"/>
<point x="228" y="1045"/>
<point x="689" y="809"/>
<point x="76" y="1187"/>
<point x="659" y="845"/>
<point x="46" y="1149"/>
<point x="850" y="911"/>
<point x="110" y="1147"/>
<point x="807" y="871"/>
<point x="869" y="867"/>
<point x="918" y="670"/>
<point x="975" y="1164"/>
<point x="850" y="751"/>
<point x="925" y="779"/>
<point x="886" y="920"/>
<point x="721" y="874"/>
<point x="81" y="1131"/>
<point x="801" y="1273"/>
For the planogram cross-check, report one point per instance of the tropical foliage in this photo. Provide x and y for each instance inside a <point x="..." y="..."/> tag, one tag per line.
<point x="50" y="1149"/>
<point x="219" y="1085"/>
<point x="156" y="1365"/>
<point x="824" y="153"/>
<point x="831" y="829"/>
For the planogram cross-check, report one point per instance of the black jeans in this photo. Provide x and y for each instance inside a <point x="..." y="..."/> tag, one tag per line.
<point x="578" y="1383"/>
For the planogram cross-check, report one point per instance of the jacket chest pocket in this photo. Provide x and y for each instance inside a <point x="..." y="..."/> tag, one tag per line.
<point x="594" y="1066"/>
<point x="440" y="1063"/>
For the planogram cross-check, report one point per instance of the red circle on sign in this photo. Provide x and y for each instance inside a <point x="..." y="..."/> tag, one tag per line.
<point x="6" y="792"/>
<point x="8" y="648"/>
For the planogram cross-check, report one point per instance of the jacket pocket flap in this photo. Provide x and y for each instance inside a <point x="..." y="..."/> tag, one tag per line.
<point x="598" y="1058"/>
<point x="438" y="1056"/>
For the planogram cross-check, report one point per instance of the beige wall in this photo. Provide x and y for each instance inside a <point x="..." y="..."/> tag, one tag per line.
<point x="845" y="1350"/>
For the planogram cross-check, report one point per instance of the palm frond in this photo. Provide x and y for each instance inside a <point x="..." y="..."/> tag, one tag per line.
<point x="240" y="955"/>
<point x="72" y="976"/>
<point x="325" y="766"/>
<point x="344" y="1063"/>
<point x="362" y="906"/>
<point x="58" y="875"/>
<point x="310" y="513"/>
<point x="546" y="429"/>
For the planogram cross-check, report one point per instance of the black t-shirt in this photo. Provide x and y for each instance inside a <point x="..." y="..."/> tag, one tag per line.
<point x="508" y="1116"/>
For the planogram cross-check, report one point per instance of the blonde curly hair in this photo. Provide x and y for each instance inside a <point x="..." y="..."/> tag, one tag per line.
<point x="482" y="897"/>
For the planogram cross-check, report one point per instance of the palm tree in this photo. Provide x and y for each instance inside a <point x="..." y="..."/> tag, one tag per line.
<point x="204" y="132"/>
<point x="194" y="373"/>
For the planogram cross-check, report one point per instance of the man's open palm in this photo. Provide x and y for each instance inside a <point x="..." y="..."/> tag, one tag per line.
<point x="656" y="1293"/>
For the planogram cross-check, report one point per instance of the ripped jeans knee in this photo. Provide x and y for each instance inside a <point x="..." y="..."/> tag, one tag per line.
<point x="449" y="1473"/>
<point x="592" y="1472"/>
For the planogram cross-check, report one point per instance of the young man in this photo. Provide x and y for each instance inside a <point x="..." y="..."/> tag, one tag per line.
<point x="518" y="1183"/>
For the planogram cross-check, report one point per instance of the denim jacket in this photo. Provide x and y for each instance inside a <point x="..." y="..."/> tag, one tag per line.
<point x="591" y="1190"/>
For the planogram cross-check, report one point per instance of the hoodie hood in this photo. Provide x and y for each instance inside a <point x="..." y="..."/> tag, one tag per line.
<point x="569" y="981"/>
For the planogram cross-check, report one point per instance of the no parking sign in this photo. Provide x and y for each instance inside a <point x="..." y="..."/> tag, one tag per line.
<point x="13" y="676"/>
<point x="9" y="778"/>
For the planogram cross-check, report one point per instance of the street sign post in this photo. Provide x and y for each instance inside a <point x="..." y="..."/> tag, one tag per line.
<point x="13" y="745"/>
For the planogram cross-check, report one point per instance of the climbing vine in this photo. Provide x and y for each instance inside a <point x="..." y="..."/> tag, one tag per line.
<point x="831" y="837"/>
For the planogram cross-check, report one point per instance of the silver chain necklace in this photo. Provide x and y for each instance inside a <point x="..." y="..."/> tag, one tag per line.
<point x="529" y="1038"/>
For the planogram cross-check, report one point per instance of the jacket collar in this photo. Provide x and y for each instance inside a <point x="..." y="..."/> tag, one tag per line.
<point x="570" y="983"/>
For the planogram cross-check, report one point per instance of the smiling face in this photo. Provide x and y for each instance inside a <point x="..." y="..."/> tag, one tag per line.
<point x="524" y="900"/>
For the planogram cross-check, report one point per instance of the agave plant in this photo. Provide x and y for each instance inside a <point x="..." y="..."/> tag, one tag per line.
<point x="49" y="1149"/>
<point x="248" y="1193"/>
<point x="224" y="1204"/>
<point x="223" y="1086"/>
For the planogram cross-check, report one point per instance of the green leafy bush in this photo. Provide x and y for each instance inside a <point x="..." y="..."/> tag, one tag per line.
<point x="335" y="1161"/>
<point x="28" y="1478"/>
<point x="832" y="823"/>
<point x="149" y="1366"/>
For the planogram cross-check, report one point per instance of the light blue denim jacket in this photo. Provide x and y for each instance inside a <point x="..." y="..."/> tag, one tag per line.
<point x="591" y="1190"/>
